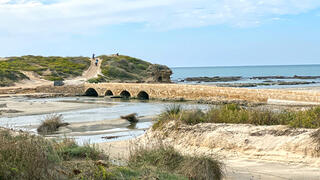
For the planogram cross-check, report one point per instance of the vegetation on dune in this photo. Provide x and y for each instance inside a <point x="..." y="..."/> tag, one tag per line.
<point x="25" y="156"/>
<point x="68" y="149"/>
<point x="123" y="68"/>
<point x="235" y="114"/>
<point x="9" y="77"/>
<point x="129" y="69"/>
<point x="50" y="68"/>
<point x="165" y="158"/>
<point x="99" y="79"/>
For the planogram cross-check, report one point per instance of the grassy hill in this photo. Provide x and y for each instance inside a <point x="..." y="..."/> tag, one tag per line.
<point x="128" y="69"/>
<point x="50" y="68"/>
<point x="113" y="68"/>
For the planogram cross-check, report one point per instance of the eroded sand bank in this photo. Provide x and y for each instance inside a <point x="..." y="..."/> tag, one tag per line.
<point x="249" y="152"/>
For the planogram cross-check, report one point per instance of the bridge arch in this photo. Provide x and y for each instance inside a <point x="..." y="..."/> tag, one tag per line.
<point x="125" y="94"/>
<point x="143" y="95"/>
<point x="91" y="92"/>
<point x="109" y="93"/>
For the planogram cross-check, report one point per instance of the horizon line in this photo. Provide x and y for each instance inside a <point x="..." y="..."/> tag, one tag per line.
<point x="242" y="66"/>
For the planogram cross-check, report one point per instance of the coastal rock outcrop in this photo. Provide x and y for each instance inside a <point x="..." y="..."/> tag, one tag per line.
<point x="159" y="73"/>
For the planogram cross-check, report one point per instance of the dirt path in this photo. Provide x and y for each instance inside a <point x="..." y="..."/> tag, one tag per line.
<point x="92" y="72"/>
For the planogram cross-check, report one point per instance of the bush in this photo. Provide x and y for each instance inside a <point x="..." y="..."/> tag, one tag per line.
<point x="165" y="158"/>
<point x="99" y="79"/>
<point x="68" y="149"/>
<point x="193" y="117"/>
<point x="51" y="124"/>
<point x="171" y="112"/>
<point x="27" y="157"/>
<point x="202" y="168"/>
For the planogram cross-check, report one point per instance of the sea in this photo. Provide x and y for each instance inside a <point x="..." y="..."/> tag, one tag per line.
<point x="247" y="72"/>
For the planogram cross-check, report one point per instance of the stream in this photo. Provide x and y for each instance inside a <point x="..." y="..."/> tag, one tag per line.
<point x="96" y="125"/>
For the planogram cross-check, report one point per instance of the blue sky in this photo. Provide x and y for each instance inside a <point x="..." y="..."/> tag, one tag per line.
<point x="171" y="32"/>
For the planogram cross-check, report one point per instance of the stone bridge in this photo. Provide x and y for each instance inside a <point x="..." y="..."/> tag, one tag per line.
<point x="198" y="93"/>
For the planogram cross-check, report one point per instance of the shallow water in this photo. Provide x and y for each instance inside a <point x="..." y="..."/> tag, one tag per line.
<point x="90" y="133"/>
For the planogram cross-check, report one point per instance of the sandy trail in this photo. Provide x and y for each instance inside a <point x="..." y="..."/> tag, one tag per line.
<point x="92" y="72"/>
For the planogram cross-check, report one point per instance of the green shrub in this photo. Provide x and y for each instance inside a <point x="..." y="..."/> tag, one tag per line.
<point x="69" y="149"/>
<point x="171" y="112"/>
<point x="235" y="114"/>
<point x="27" y="157"/>
<point x="123" y="68"/>
<point x="193" y="117"/>
<point x="9" y="77"/>
<point x="99" y="79"/>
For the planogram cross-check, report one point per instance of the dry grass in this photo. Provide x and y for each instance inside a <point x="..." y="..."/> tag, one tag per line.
<point x="316" y="139"/>
<point x="51" y="124"/>
<point x="24" y="156"/>
<point x="27" y="157"/>
<point x="166" y="159"/>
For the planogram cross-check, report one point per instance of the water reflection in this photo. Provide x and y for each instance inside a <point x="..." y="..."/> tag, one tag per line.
<point x="92" y="124"/>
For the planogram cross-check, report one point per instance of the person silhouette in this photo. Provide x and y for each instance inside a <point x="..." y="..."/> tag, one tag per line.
<point x="93" y="56"/>
<point x="97" y="61"/>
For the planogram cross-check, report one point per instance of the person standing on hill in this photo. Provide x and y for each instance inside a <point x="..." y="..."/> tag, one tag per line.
<point x="97" y="61"/>
<point x="93" y="56"/>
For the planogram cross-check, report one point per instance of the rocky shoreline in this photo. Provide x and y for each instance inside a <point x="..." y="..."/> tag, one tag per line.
<point x="232" y="81"/>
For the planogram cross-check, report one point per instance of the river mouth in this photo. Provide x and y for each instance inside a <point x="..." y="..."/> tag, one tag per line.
<point x="92" y="120"/>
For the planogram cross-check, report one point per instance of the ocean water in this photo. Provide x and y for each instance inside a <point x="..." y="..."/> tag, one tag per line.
<point x="246" y="72"/>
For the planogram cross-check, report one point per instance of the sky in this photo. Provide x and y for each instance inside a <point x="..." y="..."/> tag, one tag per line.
<point x="178" y="33"/>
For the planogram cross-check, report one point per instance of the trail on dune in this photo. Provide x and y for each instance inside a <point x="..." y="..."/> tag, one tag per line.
<point x="92" y="72"/>
<point x="35" y="80"/>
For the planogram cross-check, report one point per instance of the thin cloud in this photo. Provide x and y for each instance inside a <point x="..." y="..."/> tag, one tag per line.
<point x="81" y="16"/>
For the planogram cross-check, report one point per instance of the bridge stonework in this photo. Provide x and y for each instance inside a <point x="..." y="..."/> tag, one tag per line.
<point x="205" y="93"/>
<point x="176" y="92"/>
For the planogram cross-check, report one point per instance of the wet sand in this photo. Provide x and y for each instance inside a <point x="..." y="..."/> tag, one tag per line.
<point x="23" y="107"/>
